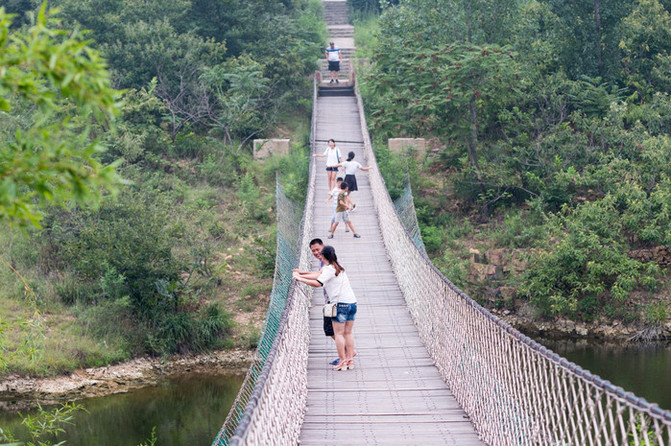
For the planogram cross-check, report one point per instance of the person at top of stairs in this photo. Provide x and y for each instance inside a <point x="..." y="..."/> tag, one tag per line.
<point x="333" y="57"/>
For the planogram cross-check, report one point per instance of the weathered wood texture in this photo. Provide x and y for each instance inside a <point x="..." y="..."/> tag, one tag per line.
<point x="395" y="394"/>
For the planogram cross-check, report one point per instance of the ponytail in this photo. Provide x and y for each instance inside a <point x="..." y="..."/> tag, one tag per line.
<point x="328" y="252"/>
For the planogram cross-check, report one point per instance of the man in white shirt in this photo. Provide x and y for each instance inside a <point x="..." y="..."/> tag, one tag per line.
<point x="333" y="57"/>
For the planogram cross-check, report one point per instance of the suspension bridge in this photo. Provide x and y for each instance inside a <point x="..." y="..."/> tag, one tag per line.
<point x="433" y="366"/>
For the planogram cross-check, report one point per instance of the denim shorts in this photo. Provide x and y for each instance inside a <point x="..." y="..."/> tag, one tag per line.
<point x="346" y="313"/>
<point x="331" y="169"/>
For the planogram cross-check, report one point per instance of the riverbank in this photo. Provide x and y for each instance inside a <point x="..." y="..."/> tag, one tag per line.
<point x="21" y="393"/>
<point x="606" y="332"/>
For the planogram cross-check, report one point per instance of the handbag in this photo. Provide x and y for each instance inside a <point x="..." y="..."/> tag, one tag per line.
<point x="331" y="310"/>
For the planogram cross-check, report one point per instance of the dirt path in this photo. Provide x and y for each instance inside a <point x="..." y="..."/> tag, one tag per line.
<point x="21" y="393"/>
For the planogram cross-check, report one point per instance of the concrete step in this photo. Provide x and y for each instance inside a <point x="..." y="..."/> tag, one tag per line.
<point x="340" y="29"/>
<point x="341" y="33"/>
<point x="336" y="16"/>
<point x="336" y="21"/>
<point x="335" y="90"/>
<point x="335" y="7"/>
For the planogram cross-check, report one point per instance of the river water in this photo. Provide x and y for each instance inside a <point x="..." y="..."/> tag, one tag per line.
<point x="189" y="410"/>
<point x="186" y="410"/>
<point x="644" y="369"/>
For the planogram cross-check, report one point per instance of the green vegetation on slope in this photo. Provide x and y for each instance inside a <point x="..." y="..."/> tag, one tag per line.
<point x="181" y="259"/>
<point x="550" y="128"/>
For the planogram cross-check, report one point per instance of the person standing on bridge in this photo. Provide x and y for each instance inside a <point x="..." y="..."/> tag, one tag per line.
<point x="350" y="167"/>
<point x="316" y="246"/>
<point x="333" y="198"/>
<point x="334" y="279"/>
<point x="342" y="215"/>
<point x="333" y="160"/>
<point x="333" y="57"/>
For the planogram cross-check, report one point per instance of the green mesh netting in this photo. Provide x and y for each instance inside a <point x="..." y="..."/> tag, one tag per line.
<point x="289" y="216"/>
<point x="405" y="208"/>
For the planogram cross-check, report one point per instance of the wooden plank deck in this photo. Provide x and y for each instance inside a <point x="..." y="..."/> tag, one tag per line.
<point x="395" y="394"/>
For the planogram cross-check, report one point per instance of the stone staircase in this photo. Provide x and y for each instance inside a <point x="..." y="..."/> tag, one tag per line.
<point x="342" y="33"/>
<point x="335" y="12"/>
<point x="335" y="90"/>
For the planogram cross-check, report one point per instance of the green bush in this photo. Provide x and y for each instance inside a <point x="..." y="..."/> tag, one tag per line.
<point x="433" y="238"/>
<point x="255" y="204"/>
<point x="394" y="168"/>
<point x="587" y="266"/>
<point x="126" y="238"/>
<point x="657" y="313"/>
<point x="121" y="269"/>
<point x="520" y="229"/>
<point x="453" y="267"/>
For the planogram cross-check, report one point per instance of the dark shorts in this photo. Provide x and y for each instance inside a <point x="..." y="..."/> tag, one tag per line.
<point x="334" y="66"/>
<point x="351" y="182"/>
<point x="331" y="169"/>
<point x="328" y="326"/>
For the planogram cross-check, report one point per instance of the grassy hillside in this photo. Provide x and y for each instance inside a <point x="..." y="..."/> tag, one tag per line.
<point x="181" y="258"/>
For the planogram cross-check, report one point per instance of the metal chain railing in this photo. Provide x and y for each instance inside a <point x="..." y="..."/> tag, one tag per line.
<point x="516" y="391"/>
<point x="270" y="405"/>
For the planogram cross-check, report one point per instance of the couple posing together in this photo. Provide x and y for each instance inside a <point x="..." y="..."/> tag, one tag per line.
<point x="337" y="289"/>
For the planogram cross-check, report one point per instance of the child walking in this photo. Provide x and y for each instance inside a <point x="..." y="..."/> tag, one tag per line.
<point x="333" y="198"/>
<point x="342" y="216"/>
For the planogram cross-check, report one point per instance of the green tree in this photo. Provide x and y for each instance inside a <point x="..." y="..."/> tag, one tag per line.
<point x="239" y="93"/>
<point x="591" y="35"/>
<point x="646" y="49"/>
<point x="452" y="91"/>
<point x="448" y="21"/>
<point x="588" y="265"/>
<point x="537" y="37"/>
<point x="53" y="88"/>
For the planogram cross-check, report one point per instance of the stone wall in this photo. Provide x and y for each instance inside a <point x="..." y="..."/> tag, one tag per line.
<point x="661" y="255"/>
<point x="489" y="270"/>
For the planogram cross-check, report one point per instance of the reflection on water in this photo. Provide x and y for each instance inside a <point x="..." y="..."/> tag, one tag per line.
<point x="643" y="369"/>
<point x="187" y="410"/>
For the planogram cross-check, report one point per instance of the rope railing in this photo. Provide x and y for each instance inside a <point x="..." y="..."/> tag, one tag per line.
<point x="515" y="391"/>
<point x="270" y="405"/>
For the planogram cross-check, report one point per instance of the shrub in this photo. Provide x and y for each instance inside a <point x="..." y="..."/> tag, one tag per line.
<point x="394" y="169"/>
<point x="520" y="229"/>
<point x="432" y="238"/>
<point x="119" y="266"/>
<point x="587" y="267"/>
<point x="657" y="313"/>
<point x="125" y="239"/>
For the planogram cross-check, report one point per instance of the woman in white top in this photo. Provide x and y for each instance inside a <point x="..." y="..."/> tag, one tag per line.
<point x="350" y="167"/>
<point x="334" y="279"/>
<point x="333" y="161"/>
